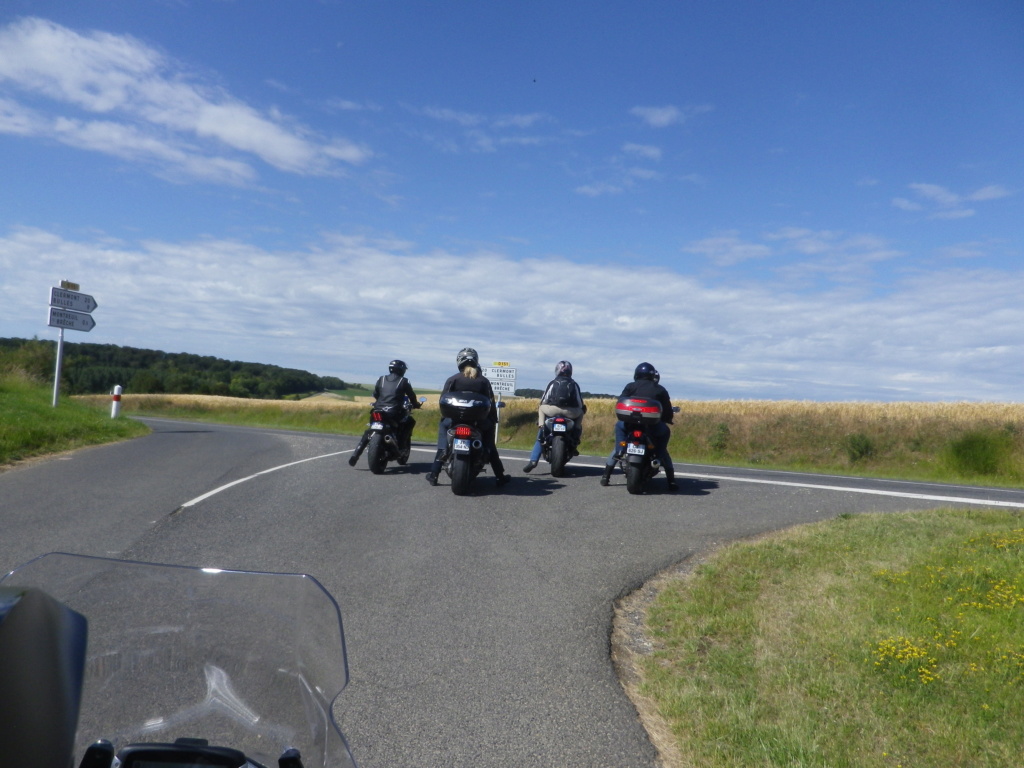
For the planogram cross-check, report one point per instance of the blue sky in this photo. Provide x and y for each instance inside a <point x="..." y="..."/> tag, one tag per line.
<point x="797" y="200"/>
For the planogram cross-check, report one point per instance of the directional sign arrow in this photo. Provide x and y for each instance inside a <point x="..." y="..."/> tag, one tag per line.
<point x="75" y="321"/>
<point x="76" y="302"/>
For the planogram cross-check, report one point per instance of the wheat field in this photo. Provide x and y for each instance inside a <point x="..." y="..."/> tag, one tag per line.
<point x="953" y="441"/>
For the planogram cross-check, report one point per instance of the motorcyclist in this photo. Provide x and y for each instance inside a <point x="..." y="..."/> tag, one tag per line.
<point x="469" y="379"/>
<point x="562" y="397"/>
<point x="391" y="391"/>
<point x="645" y="384"/>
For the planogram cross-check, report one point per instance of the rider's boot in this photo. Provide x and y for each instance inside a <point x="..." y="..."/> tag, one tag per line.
<point x="670" y="475"/>
<point x="500" y="476"/>
<point x="608" y="468"/>
<point x="405" y="446"/>
<point x="359" y="450"/>
<point x="435" y="468"/>
<point x="531" y="464"/>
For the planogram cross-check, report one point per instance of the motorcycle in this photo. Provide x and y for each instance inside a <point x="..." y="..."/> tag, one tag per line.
<point x="637" y="457"/>
<point x="182" y="667"/>
<point x="467" y="453"/>
<point x="559" y="443"/>
<point x="390" y="436"/>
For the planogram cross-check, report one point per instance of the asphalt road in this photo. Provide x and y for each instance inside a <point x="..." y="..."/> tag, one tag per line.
<point x="477" y="627"/>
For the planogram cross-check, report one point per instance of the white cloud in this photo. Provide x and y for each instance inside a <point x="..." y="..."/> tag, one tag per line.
<point x="168" y="118"/>
<point x="347" y="105"/>
<point x="940" y="334"/>
<point x="663" y="117"/>
<point x="937" y="194"/>
<point x="445" y="115"/>
<point x="598" y="189"/>
<point x="643" y="150"/>
<point x="481" y="133"/>
<point x="955" y="213"/>
<point x="943" y="203"/>
<point x="906" y="205"/>
<point x="727" y="249"/>
<point x="991" y="192"/>
<point x="519" y="121"/>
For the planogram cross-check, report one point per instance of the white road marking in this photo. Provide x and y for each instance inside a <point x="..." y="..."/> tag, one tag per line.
<point x="729" y="478"/>
<point x="233" y="483"/>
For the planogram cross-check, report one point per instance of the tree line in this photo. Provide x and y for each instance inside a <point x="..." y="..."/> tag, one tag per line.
<point x="538" y="393"/>
<point x="96" y="368"/>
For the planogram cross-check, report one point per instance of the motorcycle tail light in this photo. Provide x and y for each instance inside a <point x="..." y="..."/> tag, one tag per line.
<point x="637" y="434"/>
<point x="377" y="416"/>
<point x="463" y="431"/>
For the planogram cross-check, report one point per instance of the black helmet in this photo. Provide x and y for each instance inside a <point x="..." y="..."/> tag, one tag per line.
<point x="645" y="371"/>
<point x="466" y="356"/>
<point x="563" y="368"/>
<point x="397" y="366"/>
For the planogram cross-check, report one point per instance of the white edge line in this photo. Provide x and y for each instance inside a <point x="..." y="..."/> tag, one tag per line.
<point x="814" y="486"/>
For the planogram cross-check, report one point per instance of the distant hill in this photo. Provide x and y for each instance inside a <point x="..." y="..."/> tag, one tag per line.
<point x="96" y="368"/>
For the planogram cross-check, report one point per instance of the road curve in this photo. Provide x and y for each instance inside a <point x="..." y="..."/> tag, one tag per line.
<point x="477" y="627"/>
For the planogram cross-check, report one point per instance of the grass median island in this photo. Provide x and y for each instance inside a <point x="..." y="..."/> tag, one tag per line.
<point x="30" y="426"/>
<point x="869" y="640"/>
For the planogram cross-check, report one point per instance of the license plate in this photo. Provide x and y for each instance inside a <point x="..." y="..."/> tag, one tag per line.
<point x="376" y="425"/>
<point x="461" y="445"/>
<point x="635" y="449"/>
<point x="559" y="427"/>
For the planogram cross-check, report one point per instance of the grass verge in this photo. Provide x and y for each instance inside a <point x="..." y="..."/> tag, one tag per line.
<point x="874" y="640"/>
<point x="30" y="426"/>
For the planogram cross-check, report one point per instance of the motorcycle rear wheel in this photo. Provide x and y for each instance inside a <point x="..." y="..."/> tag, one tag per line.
<point x="559" y="456"/>
<point x="635" y="478"/>
<point x="462" y="474"/>
<point x="377" y="454"/>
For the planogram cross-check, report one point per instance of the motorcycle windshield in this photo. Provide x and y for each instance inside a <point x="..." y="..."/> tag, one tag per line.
<point x="246" y="660"/>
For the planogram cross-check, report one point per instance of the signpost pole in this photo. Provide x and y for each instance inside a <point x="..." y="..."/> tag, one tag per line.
<point x="60" y="360"/>
<point x="68" y="309"/>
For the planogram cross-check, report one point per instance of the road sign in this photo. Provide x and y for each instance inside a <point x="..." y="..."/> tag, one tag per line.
<point x="508" y="374"/>
<point x="76" y="302"/>
<point x="74" y="321"/>
<point x="503" y="387"/>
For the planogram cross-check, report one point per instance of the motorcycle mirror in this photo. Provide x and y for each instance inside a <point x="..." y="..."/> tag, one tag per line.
<point x="42" y="664"/>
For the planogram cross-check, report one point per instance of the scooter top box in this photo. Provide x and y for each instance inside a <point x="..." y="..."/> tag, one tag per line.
<point x="634" y="409"/>
<point x="464" y="406"/>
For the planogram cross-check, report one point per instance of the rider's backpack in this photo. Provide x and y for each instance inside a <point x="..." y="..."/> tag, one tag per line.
<point x="561" y="393"/>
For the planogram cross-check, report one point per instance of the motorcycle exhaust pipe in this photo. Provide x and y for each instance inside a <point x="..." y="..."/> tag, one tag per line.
<point x="389" y="439"/>
<point x="655" y="463"/>
<point x="477" y="445"/>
